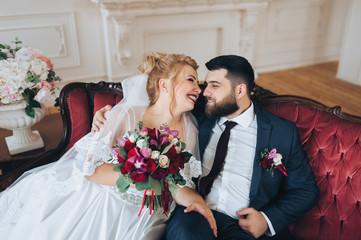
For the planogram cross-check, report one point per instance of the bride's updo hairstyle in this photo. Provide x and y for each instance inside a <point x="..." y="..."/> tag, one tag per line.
<point x="163" y="66"/>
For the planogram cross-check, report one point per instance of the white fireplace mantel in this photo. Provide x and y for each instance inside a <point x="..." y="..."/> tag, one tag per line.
<point x="200" y="28"/>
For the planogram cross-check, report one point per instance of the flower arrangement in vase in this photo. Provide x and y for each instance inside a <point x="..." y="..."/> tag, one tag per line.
<point x="27" y="79"/>
<point x="25" y="74"/>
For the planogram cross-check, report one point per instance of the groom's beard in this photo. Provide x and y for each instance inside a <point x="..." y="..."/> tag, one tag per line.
<point x="223" y="108"/>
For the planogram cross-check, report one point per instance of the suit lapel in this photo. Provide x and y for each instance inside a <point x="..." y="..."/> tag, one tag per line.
<point x="263" y="138"/>
<point x="205" y="129"/>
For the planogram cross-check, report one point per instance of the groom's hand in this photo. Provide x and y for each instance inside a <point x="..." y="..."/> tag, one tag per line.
<point x="204" y="210"/>
<point x="252" y="222"/>
<point x="99" y="119"/>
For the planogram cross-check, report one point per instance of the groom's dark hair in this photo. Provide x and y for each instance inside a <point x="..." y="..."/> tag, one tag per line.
<point x="239" y="70"/>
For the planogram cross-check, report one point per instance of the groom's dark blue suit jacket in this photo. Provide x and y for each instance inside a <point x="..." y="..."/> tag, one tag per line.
<point x="283" y="199"/>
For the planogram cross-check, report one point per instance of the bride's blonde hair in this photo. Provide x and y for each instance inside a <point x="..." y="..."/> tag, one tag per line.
<point x="163" y="66"/>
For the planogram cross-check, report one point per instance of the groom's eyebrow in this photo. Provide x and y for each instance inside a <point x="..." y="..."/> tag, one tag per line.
<point x="212" y="81"/>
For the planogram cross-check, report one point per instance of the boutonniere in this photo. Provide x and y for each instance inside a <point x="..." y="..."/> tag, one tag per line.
<point x="271" y="160"/>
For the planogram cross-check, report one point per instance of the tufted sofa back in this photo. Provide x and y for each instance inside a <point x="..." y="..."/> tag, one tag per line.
<point x="332" y="141"/>
<point x="79" y="102"/>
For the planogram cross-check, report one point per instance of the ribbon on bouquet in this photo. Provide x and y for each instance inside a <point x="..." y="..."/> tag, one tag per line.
<point x="165" y="197"/>
<point x="282" y="169"/>
<point x="141" y="209"/>
<point x="151" y="202"/>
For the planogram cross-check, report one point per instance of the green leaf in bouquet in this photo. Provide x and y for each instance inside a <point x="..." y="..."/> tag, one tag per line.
<point x="182" y="145"/>
<point x="29" y="110"/>
<point x="17" y="41"/>
<point x="34" y="78"/>
<point x="122" y="152"/>
<point x="51" y="75"/>
<point x="2" y="46"/>
<point x="122" y="183"/>
<point x="156" y="203"/>
<point x="177" y="177"/>
<point x="34" y="104"/>
<point x="3" y="56"/>
<point x="28" y="95"/>
<point x="167" y="148"/>
<point x="57" y="102"/>
<point x="140" y="186"/>
<point x="182" y="182"/>
<point x="172" y="189"/>
<point x="155" y="185"/>
<point x="116" y="167"/>
<point x="187" y="155"/>
<point x="57" y="78"/>
<point x="140" y="124"/>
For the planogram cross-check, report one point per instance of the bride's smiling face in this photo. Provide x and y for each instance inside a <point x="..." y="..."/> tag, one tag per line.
<point x="186" y="89"/>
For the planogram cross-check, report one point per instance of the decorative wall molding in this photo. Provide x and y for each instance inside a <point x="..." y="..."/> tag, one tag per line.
<point x="122" y="31"/>
<point x="53" y="33"/>
<point x="200" y="28"/>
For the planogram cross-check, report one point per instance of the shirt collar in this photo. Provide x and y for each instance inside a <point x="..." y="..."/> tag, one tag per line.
<point x="244" y="119"/>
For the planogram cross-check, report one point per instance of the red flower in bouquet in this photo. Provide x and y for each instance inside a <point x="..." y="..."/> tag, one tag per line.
<point x="151" y="159"/>
<point x="271" y="160"/>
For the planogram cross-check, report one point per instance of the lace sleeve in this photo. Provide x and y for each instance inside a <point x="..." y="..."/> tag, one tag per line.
<point x="192" y="169"/>
<point x="94" y="150"/>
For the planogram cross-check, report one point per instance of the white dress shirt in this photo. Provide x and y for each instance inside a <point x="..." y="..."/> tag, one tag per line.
<point x="230" y="190"/>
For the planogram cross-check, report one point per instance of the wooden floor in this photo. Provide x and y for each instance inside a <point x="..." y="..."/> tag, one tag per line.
<point x="317" y="82"/>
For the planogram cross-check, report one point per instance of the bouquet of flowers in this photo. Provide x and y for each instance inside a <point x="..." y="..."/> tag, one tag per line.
<point x="25" y="74"/>
<point x="151" y="159"/>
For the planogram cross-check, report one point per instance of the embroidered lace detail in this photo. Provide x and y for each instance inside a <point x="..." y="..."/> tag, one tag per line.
<point x="131" y="196"/>
<point x="94" y="151"/>
<point x="73" y="183"/>
<point x="191" y="169"/>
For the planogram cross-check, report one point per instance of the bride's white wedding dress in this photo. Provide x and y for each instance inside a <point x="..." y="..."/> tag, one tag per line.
<point x="56" y="201"/>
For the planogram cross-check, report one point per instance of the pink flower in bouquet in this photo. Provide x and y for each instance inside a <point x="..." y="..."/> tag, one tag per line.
<point x="47" y="61"/>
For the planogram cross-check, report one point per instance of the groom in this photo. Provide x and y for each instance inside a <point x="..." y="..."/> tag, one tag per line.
<point x="249" y="199"/>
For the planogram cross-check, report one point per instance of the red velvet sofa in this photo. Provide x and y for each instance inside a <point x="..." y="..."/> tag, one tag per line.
<point x="330" y="138"/>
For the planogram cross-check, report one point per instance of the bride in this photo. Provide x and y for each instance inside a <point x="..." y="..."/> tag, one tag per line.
<point x="76" y="197"/>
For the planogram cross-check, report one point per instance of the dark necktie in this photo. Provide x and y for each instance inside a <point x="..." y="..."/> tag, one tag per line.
<point x="206" y="182"/>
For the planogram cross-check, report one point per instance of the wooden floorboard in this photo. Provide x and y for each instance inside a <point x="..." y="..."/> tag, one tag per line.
<point x="317" y="82"/>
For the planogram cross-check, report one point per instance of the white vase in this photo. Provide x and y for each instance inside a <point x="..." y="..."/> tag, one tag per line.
<point x="13" y="117"/>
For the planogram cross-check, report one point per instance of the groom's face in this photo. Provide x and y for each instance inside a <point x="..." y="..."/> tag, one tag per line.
<point x="221" y="99"/>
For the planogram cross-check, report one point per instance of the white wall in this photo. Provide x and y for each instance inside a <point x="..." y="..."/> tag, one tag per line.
<point x="300" y="32"/>
<point x="350" y="60"/>
<point x="93" y="40"/>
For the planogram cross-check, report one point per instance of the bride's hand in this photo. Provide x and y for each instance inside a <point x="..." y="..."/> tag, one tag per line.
<point x="204" y="210"/>
<point x="99" y="119"/>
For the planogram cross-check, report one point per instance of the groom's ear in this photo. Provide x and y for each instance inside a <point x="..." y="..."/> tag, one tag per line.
<point x="240" y="90"/>
<point x="163" y="85"/>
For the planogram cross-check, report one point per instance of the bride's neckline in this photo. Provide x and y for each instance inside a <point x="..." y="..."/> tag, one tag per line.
<point x="152" y="120"/>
